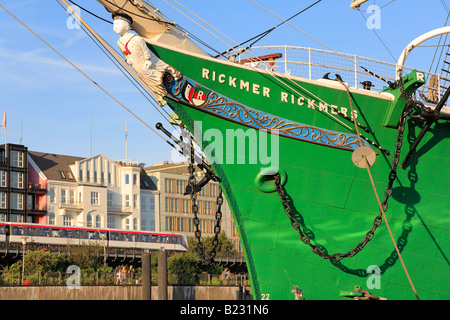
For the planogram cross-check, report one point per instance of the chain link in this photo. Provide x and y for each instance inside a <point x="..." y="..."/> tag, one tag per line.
<point x="387" y="193"/>
<point x="217" y="228"/>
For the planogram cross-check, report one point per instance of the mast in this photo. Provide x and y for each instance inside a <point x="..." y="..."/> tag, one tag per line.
<point x="149" y="23"/>
<point x="357" y="3"/>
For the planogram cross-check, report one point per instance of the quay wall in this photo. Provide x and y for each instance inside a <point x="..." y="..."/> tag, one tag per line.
<point x="118" y="293"/>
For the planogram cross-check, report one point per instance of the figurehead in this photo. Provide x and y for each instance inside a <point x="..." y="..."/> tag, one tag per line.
<point x="122" y="23"/>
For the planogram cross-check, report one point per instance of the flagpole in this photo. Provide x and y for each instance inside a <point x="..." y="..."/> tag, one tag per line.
<point x="6" y="131"/>
<point x="126" y="143"/>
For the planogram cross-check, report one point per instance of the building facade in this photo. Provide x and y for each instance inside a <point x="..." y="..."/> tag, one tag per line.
<point x="56" y="189"/>
<point x="96" y="192"/>
<point x="176" y="208"/>
<point x="20" y="199"/>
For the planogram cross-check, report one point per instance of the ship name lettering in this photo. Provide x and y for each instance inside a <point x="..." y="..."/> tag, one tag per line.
<point x="257" y="89"/>
<point x="321" y="106"/>
<point x="254" y="88"/>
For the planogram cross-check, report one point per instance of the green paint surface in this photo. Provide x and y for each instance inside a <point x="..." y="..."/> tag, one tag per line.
<point x="334" y="198"/>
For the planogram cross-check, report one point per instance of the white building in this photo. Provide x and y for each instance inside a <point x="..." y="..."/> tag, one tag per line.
<point x="175" y="212"/>
<point x="96" y="192"/>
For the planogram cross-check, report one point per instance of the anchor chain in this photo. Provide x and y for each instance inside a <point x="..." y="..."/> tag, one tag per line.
<point x="217" y="227"/>
<point x="377" y="220"/>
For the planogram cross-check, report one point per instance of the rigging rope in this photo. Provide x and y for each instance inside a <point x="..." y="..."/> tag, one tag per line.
<point x="379" y="38"/>
<point x="380" y="206"/>
<point x="311" y="37"/>
<point x="138" y="85"/>
<point x="265" y="33"/>
<point x="109" y="52"/>
<point x="84" y="74"/>
<point x="254" y="56"/>
<point x="199" y="24"/>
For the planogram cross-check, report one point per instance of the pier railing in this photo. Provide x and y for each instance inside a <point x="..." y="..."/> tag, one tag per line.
<point x="313" y="64"/>
<point x="92" y="278"/>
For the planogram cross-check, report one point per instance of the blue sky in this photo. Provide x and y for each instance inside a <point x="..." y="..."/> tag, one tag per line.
<point x="55" y="102"/>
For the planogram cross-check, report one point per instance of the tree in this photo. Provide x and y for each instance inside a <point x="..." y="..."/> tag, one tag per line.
<point x="225" y="245"/>
<point x="35" y="262"/>
<point x="40" y="260"/>
<point x="183" y="263"/>
<point x="85" y="256"/>
<point x="189" y="262"/>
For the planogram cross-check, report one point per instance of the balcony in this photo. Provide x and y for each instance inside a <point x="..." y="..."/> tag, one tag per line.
<point x="36" y="208"/>
<point x="37" y="188"/>
<point x="71" y="206"/>
<point x="118" y="209"/>
<point x="37" y="211"/>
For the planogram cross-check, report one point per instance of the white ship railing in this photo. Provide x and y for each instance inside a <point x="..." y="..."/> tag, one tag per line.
<point x="313" y="64"/>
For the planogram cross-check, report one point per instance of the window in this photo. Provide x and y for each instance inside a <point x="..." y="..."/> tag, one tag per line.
<point x="127" y="224"/>
<point x="30" y="202"/>
<point x="17" y="159"/>
<point x="62" y="174"/>
<point x="135" y="224"/>
<point x="134" y="179"/>
<point x="127" y="179"/>
<point x="2" y="178"/>
<point x="143" y="203"/>
<point x="127" y="200"/>
<point x="169" y="184"/>
<point x="16" y="201"/>
<point x="16" y="218"/>
<point x="63" y="196"/>
<point x="67" y="220"/>
<point x="17" y="180"/>
<point x="168" y="223"/>
<point x="3" y="200"/>
<point x="152" y="204"/>
<point x="98" y="221"/>
<point x="51" y="194"/>
<point x="135" y="200"/>
<point x="51" y="218"/>
<point x="72" y="197"/>
<point x="109" y="199"/>
<point x="111" y="222"/>
<point x="89" y="220"/>
<point x="95" y="198"/>
<point x="212" y="190"/>
<point x="81" y="174"/>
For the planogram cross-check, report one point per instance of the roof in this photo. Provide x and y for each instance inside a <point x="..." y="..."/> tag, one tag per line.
<point x="146" y="182"/>
<point x="55" y="166"/>
<point x="175" y="168"/>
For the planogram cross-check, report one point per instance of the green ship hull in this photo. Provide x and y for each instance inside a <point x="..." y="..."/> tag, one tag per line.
<point x="332" y="198"/>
